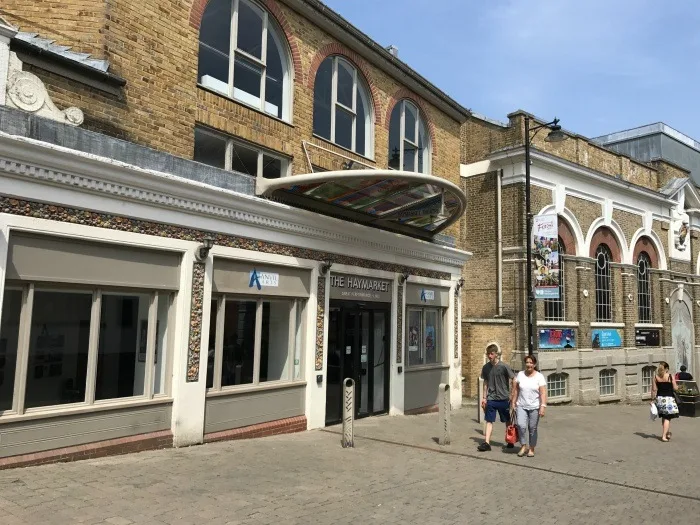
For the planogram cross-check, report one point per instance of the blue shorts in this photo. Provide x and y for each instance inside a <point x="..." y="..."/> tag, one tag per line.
<point x="502" y="407"/>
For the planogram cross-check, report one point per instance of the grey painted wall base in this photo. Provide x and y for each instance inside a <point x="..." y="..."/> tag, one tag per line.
<point x="421" y="386"/>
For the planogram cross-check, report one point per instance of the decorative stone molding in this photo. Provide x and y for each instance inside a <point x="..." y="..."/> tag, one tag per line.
<point x="320" y="316"/>
<point x="27" y="92"/>
<point x="399" y="324"/>
<point x="195" y="340"/>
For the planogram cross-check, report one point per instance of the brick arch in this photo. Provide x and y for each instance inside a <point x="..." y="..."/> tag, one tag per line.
<point x="645" y="244"/>
<point x="405" y="94"/>
<point x="338" y="49"/>
<point x="566" y="236"/>
<point x="273" y="8"/>
<point x="605" y="235"/>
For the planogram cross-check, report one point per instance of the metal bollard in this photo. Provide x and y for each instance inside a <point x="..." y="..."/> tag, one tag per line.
<point x="445" y="411"/>
<point x="348" y="413"/>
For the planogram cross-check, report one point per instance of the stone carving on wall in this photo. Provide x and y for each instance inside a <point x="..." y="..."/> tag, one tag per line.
<point x="681" y="235"/>
<point x="27" y="92"/>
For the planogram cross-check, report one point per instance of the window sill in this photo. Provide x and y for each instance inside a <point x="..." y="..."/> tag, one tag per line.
<point x="243" y="104"/>
<point x="260" y="387"/>
<point x="609" y="399"/>
<point x="419" y="368"/>
<point x="75" y="409"/>
<point x="607" y="324"/>
<point x="648" y="325"/>
<point x="558" y="400"/>
<point x="328" y="141"/>
<point x="558" y="324"/>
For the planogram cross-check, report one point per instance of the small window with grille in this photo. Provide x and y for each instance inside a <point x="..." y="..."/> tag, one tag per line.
<point x="607" y="382"/>
<point x="557" y="385"/>
<point x="603" y="296"/>
<point x="644" y="288"/>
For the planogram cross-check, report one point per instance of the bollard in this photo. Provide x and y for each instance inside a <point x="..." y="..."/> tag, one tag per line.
<point x="348" y="413"/>
<point x="445" y="410"/>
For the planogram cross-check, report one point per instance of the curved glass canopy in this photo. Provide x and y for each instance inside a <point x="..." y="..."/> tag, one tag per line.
<point x="406" y="202"/>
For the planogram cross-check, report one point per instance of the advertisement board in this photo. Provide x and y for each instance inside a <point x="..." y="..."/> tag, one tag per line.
<point x="606" y="338"/>
<point x="545" y="256"/>
<point x="556" y="338"/>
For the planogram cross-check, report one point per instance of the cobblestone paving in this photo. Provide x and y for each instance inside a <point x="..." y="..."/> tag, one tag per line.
<point x="593" y="465"/>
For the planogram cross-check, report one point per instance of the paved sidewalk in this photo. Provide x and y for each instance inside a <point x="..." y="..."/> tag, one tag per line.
<point x="594" y="465"/>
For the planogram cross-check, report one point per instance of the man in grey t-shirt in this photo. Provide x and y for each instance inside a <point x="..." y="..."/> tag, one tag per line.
<point x="498" y="381"/>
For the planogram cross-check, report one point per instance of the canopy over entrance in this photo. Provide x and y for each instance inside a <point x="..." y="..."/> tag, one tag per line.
<point x="405" y="202"/>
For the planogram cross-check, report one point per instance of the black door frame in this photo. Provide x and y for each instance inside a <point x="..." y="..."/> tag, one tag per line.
<point x="357" y="307"/>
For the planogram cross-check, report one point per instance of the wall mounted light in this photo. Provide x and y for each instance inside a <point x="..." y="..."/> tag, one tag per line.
<point x="403" y="278"/>
<point x="203" y="249"/>
<point x="459" y="285"/>
<point x="325" y="266"/>
<point x="585" y="293"/>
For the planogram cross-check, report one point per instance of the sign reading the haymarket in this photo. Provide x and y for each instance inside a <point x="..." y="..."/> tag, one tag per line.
<point x="545" y="255"/>
<point x="353" y="287"/>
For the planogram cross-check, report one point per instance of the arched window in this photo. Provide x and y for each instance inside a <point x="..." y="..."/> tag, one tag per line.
<point x="557" y="385"/>
<point x="603" y="298"/>
<point x="554" y="309"/>
<point x="342" y="106"/>
<point x="409" y="145"/>
<point x="607" y="380"/>
<point x="644" y="288"/>
<point x="243" y="55"/>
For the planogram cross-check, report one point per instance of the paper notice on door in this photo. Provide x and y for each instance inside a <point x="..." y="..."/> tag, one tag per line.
<point x="348" y="350"/>
<point x="364" y="349"/>
<point x="363" y="358"/>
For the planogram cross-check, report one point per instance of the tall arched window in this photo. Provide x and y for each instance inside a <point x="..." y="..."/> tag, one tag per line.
<point x="644" y="288"/>
<point x="554" y="309"/>
<point x="603" y="298"/>
<point x="409" y="145"/>
<point x="243" y="55"/>
<point x="342" y="106"/>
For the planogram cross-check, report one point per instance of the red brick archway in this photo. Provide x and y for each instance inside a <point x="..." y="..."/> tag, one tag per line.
<point x="405" y="94"/>
<point x="605" y="235"/>
<point x="645" y="244"/>
<point x="197" y="12"/>
<point x="566" y="236"/>
<point x="352" y="57"/>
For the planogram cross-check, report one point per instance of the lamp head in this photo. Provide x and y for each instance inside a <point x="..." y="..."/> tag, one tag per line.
<point x="555" y="134"/>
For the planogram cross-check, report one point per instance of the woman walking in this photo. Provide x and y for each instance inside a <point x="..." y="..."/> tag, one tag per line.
<point x="529" y="399"/>
<point x="662" y="390"/>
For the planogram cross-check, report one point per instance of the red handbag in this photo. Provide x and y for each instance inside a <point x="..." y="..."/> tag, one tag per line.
<point x="512" y="430"/>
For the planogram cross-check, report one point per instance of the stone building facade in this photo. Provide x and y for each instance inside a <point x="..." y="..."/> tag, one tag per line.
<point x="163" y="278"/>
<point x="629" y="234"/>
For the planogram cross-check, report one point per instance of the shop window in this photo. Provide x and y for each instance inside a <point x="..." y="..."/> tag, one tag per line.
<point x="9" y="336"/>
<point x="603" y="297"/>
<point x="644" y="288"/>
<point x="557" y="385"/>
<point x="244" y="55"/>
<point x="124" y="335"/>
<point x="254" y="341"/>
<point x="220" y="151"/>
<point x="424" y="336"/>
<point x="647" y="377"/>
<point x="555" y="309"/>
<point x="342" y="110"/>
<point x="409" y="145"/>
<point x="607" y="380"/>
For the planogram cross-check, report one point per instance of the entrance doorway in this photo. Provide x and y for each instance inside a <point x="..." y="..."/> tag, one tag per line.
<point x="358" y="348"/>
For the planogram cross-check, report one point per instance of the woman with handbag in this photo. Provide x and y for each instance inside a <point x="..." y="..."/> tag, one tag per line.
<point x="529" y="399"/>
<point x="662" y="389"/>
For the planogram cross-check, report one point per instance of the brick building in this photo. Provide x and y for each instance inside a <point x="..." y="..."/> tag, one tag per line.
<point x="211" y="212"/>
<point x="629" y="256"/>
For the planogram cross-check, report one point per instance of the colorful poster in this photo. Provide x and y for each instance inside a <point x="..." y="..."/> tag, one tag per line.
<point x="557" y="339"/>
<point x="606" y="338"/>
<point x="545" y="255"/>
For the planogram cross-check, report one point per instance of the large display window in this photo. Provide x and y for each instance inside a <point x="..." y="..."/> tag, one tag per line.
<point x="425" y="319"/>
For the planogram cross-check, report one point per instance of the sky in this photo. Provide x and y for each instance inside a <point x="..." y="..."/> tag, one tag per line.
<point x="598" y="65"/>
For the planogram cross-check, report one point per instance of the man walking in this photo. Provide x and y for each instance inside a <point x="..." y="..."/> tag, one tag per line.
<point x="498" y="381"/>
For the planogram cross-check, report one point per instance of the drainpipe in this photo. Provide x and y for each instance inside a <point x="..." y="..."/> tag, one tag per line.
<point x="499" y="254"/>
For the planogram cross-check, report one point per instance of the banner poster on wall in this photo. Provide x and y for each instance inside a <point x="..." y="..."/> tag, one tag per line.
<point x="545" y="255"/>
<point x="557" y="339"/>
<point x="606" y="338"/>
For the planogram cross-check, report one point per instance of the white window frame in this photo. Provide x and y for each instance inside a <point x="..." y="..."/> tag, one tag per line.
<point x="357" y="85"/>
<point x="644" y="307"/>
<point x="295" y="338"/>
<point x="647" y="379"/>
<point x="439" y="329"/>
<point x="261" y="62"/>
<point x="558" y="380"/>
<point x="427" y="155"/>
<point x="231" y="141"/>
<point x="603" y="297"/>
<point x="607" y="379"/>
<point x="23" y="346"/>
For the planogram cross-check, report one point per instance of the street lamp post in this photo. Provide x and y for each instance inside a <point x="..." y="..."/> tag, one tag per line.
<point x="555" y="135"/>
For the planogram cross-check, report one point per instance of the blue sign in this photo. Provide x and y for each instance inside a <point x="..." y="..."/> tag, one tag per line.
<point x="557" y="339"/>
<point x="254" y="280"/>
<point x="606" y="338"/>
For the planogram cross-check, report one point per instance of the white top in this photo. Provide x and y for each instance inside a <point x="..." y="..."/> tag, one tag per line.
<point x="529" y="390"/>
